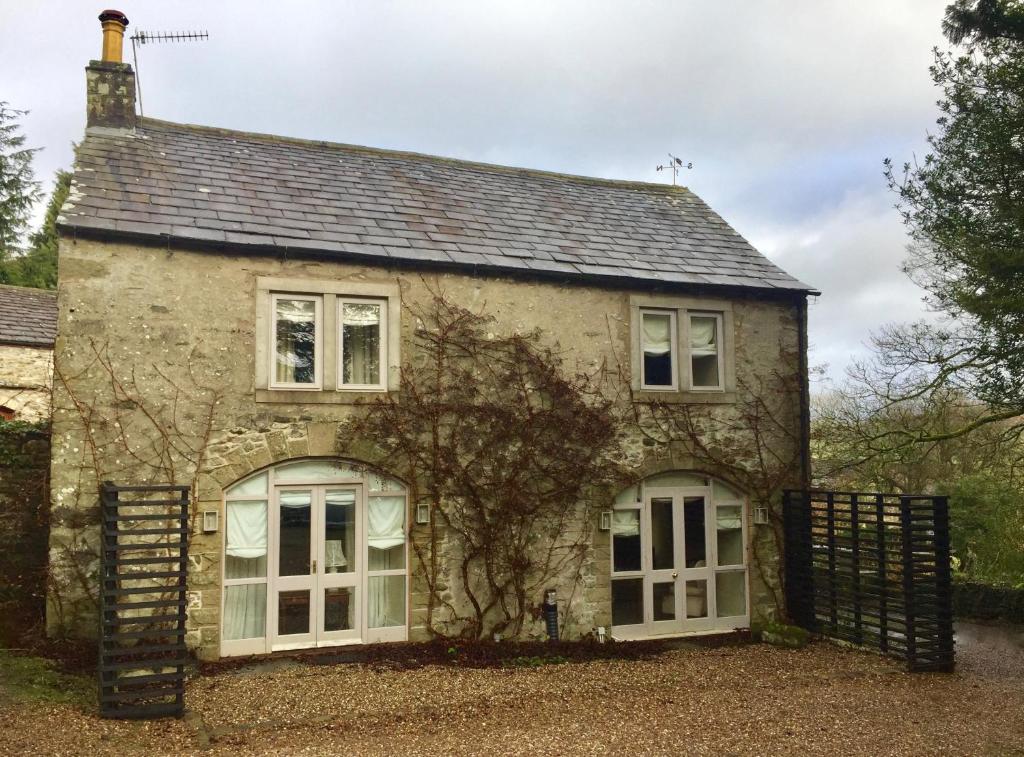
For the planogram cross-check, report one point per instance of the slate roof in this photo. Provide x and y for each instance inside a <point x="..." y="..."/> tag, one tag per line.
<point x="236" y="191"/>
<point x="28" y="317"/>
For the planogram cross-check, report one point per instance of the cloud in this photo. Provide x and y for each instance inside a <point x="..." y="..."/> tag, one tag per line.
<point x="785" y="108"/>
<point x="852" y="252"/>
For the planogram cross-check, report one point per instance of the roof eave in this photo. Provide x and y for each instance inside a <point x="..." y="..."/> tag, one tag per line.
<point x="271" y="248"/>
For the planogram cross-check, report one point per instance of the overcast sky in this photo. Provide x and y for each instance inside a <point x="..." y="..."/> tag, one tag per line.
<point x="785" y="108"/>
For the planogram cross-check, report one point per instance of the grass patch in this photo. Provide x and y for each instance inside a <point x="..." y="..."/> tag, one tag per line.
<point x="36" y="679"/>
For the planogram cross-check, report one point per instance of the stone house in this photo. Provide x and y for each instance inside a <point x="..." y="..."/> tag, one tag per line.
<point x="253" y="289"/>
<point x="28" y="326"/>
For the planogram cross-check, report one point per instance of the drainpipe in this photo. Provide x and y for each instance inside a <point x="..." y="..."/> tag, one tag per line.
<point x="805" y="397"/>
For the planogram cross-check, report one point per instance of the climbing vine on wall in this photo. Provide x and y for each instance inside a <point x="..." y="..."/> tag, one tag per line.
<point x="512" y="453"/>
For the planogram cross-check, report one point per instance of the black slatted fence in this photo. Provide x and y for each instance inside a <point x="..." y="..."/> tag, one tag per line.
<point x="142" y="601"/>
<point x="874" y="570"/>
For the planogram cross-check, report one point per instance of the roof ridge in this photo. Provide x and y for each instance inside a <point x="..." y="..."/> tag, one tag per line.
<point x="411" y="154"/>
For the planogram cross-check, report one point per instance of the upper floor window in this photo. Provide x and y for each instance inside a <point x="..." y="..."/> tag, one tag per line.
<point x="298" y="341"/>
<point x="681" y="344"/>
<point x="658" y="332"/>
<point x="705" y="355"/>
<point x="325" y="338"/>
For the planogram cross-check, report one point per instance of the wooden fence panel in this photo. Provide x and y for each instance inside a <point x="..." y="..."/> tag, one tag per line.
<point x="872" y="569"/>
<point x="142" y="601"/>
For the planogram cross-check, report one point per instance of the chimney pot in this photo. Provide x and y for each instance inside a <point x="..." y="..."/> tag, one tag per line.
<point x="109" y="82"/>
<point x="114" y="24"/>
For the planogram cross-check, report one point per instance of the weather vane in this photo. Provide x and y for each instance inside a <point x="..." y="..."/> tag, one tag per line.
<point x="676" y="164"/>
<point x="141" y="38"/>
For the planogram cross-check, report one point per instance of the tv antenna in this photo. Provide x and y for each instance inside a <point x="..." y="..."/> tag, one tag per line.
<point x="142" y="38"/>
<point x="676" y="164"/>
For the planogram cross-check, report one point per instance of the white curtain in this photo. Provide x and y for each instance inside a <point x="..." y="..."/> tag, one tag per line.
<point x="360" y="325"/>
<point x="386" y="522"/>
<point x="386" y="601"/>
<point x="245" y="611"/>
<point x="626" y="522"/>
<point x="702" y="333"/>
<point x="657" y="334"/>
<point x="247" y="529"/>
<point x="385" y="531"/>
<point x="245" y="607"/>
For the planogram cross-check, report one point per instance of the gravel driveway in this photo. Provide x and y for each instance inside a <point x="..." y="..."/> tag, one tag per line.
<point x="751" y="699"/>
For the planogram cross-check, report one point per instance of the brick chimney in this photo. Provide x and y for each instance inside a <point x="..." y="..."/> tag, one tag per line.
<point x="109" y="83"/>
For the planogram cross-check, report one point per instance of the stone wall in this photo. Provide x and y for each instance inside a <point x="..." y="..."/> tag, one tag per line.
<point x="24" y="515"/>
<point x="26" y="374"/>
<point x="181" y="324"/>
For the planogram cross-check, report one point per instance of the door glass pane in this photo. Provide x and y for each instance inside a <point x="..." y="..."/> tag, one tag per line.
<point x="625" y="540"/>
<point x="385" y="533"/>
<point x="292" y="612"/>
<point x="661" y="534"/>
<point x="729" y="523"/>
<point x="295" y="341"/>
<point x="339" y="609"/>
<point x="245" y="611"/>
<point x="697" y="599"/>
<point x="665" y="601"/>
<point x="696" y="542"/>
<point x="340" y="531"/>
<point x="296" y="513"/>
<point x="385" y="598"/>
<point x="731" y="593"/>
<point x="627" y="601"/>
<point x="360" y="342"/>
<point x="657" y="349"/>
<point x="245" y="539"/>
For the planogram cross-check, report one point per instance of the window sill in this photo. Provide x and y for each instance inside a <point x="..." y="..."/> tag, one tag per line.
<point x="687" y="397"/>
<point x="306" y="397"/>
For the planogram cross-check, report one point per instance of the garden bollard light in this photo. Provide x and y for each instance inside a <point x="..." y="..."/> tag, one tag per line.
<point x="551" y="614"/>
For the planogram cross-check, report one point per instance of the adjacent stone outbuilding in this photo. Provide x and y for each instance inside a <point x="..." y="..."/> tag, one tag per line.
<point x="28" y="327"/>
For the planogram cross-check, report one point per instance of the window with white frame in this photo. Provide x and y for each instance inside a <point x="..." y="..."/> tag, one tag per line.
<point x="327" y="338"/>
<point x="658" y="349"/>
<point x="362" y="343"/>
<point x="297" y="335"/>
<point x="705" y="330"/>
<point x="682" y="345"/>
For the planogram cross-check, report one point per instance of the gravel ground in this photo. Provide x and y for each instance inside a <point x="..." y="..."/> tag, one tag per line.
<point x="751" y="699"/>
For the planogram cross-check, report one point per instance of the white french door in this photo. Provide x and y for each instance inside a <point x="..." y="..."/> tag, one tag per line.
<point x="678" y="564"/>
<point x="339" y="573"/>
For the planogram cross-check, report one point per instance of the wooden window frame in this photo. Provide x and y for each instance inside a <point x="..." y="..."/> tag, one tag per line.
<point x="673" y="352"/>
<point x="719" y="349"/>
<point x="381" y="385"/>
<point x="684" y="392"/>
<point x="318" y="342"/>
<point x="329" y="290"/>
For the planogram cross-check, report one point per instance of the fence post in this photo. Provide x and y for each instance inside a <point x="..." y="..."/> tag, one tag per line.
<point x="858" y="631"/>
<point x="907" y="533"/>
<point x="833" y="593"/>
<point x="883" y="574"/>
<point x="943" y="583"/>
<point x="799" y="581"/>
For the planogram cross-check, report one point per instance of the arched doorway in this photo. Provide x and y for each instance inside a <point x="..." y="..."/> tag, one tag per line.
<point x="315" y="554"/>
<point x="679" y="557"/>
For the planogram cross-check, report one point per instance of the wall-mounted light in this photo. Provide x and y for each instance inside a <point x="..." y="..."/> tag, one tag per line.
<point x="605" y="523"/>
<point x="760" y="516"/>
<point x="211" y="521"/>
<point x="423" y="513"/>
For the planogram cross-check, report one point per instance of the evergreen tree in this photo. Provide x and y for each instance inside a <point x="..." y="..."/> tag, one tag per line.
<point x="18" y="187"/>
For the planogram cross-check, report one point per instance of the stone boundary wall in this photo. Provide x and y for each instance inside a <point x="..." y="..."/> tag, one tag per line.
<point x="24" y="527"/>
